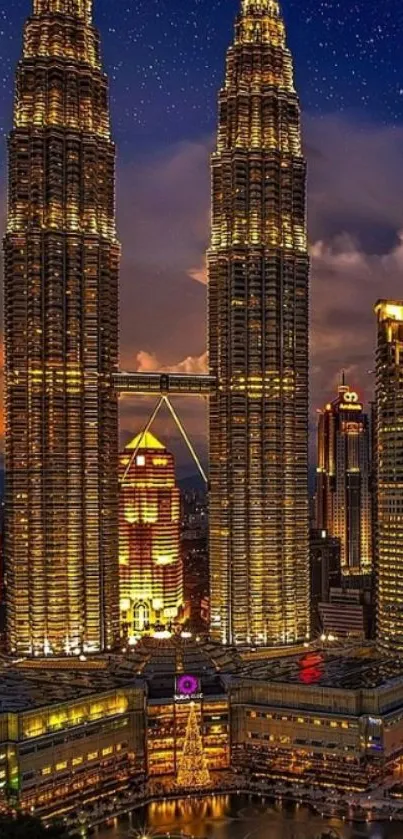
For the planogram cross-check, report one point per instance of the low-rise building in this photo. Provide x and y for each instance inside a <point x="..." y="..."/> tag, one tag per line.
<point x="322" y="719"/>
<point x="347" y="613"/>
<point x="76" y="733"/>
<point x="73" y="732"/>
<point x="68" y="734"/>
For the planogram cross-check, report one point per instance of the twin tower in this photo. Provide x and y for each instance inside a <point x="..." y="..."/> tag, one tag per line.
<point x="61" y="339"/>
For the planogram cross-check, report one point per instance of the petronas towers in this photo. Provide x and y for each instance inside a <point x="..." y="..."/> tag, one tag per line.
<point x="61" y="337"/>
<point x="258" y="327"/>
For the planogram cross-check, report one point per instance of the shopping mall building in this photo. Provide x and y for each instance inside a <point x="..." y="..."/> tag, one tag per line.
<point x="73" y="732"/>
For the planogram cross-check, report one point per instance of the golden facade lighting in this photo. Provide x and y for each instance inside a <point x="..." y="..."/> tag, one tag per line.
<point x="343" y="498"/>
<point x="151" y="573"/>
<point x="61" y="337"/>
<point x="258" y="322"/>
<point x="389" y="474"/>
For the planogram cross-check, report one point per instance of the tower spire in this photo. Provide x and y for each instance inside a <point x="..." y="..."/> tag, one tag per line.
<point x="261" y="22"/>
<point x="250" y="7"/>
<point x="72" y="8"/>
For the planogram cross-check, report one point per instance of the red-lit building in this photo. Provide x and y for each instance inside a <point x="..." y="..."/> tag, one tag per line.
<point x="150" y="565"/>
<point x="343" y="499"/>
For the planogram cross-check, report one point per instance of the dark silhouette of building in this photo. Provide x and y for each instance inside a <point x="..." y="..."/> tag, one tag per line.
<point x="194" y="542"/>
<point x="325" y="562"/>
<point x="347" y="613"/>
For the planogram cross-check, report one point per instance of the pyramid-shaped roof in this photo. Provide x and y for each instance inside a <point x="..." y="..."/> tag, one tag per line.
<point x="144" y="441"/>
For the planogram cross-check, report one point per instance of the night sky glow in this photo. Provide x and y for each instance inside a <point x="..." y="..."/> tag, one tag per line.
<point x="165" y="60"/>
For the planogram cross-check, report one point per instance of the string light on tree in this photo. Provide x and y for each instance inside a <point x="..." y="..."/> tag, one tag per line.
<point x="193" y="770"/>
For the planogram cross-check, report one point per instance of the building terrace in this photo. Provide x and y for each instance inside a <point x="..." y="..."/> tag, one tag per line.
<point x="353" y="669"/>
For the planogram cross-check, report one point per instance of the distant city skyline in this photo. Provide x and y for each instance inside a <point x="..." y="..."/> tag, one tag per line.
<point x="354" y="161"/>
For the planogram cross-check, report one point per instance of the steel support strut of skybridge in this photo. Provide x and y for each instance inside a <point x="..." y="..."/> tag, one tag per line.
<point x="165" y="385"/>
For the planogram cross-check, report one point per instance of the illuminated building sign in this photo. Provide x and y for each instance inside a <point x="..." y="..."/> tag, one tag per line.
<point x="350" y="402"/>
<point x="187" y="688"/>
<point x="350" y="397"/>
<point x="311" y="668"/>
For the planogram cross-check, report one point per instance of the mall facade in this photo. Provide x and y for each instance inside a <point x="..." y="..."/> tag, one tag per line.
<point x="99" y="730"/>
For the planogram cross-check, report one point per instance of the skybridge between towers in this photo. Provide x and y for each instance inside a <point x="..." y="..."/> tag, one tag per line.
<point x="164" y="384"/>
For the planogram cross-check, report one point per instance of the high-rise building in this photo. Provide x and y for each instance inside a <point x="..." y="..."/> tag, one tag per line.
<point x="325" y="573"/>
<point x="61" y="339"/>
<point x="258" y="344"/>
<point x="343" y="496"/>
<point x="151" y="572"/>
<point x="388" y="434"/>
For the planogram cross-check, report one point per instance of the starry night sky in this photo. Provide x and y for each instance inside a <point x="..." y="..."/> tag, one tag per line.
<point x="165" y="60"/>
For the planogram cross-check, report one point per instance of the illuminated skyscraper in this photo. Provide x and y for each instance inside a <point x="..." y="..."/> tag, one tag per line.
<point x="258" y="343"/>
<point x="343" y="498"/>
<point x="151" y="574"/>
<point x="61" y="336"/>
<point x="389" y="474"/>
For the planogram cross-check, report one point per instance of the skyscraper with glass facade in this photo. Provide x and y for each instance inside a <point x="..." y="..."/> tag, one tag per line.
<point x="61" y="339"/>
<point x="343" y="497"/>
<point x="388" y="447"/>
<point x="258" y="344"/>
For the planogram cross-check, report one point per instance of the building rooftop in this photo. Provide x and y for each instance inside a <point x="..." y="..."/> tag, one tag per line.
<point x="168" y="659"/>
<point x="389" y="309"/>
<point x="30" y="684"/>
<point x="24" y="687"/>
<point x="354" y="669"/>
<point x="144" y="440"/>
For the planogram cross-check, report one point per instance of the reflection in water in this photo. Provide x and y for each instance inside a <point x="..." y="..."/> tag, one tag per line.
<point x="239" y="817"/>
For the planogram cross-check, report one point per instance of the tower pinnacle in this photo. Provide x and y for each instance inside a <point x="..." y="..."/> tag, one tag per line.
<point x="261" y="22"/>
<point x="73" y="8"/>
<point x="261" y="7"/>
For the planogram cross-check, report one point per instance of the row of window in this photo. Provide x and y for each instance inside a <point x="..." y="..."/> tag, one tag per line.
<point x="344" y="724"/>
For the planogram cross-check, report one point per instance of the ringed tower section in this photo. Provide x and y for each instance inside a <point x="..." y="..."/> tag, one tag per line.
<point x="258" y="344"/>
<point x="61" y="339"/>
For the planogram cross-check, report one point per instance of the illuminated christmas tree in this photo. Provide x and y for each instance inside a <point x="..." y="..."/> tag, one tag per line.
<point x="193" y="769"/>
